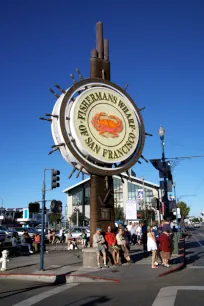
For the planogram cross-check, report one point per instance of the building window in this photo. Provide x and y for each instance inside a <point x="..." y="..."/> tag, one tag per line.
<point x="87" y="195"/>
<point x="118" y="192"/>
<point x="77" y="195"/>
<point x="132" y="191"/>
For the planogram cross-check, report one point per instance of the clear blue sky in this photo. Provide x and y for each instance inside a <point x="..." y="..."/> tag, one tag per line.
<point x="156" y="47"/>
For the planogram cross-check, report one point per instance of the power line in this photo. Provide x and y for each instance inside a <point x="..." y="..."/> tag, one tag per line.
<point x="184" y="157"/>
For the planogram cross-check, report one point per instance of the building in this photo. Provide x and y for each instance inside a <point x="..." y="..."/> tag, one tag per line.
<point x="132" y="188"/>
<point x="20" y="217"/>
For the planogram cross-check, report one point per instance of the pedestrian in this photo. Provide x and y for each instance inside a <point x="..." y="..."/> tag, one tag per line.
<point x="129" y="226"/>
<point x="122" y="244"/>
<point x="36" y="243"/>
<point x="155" y="230"/>
<point x="127" y="237"/>
<point x="99" y="245"/>
<point x="83" y="239"/>
<point x="139" y="233"/>
<point x="71" y="243"/>
<point x="165" y="247"/>
<point x="110" y="239"/>
<point x="144" y="236"/>
<point x="24" y="243"/>
<point x="133" y="234"/>
<point x="152" y="246"/>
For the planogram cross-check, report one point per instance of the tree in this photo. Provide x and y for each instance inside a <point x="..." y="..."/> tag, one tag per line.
<point x="195" y="220"/>
<point x="119" y="213"/>
<point x="82" y="218"/>
<point x="184" y="208"/>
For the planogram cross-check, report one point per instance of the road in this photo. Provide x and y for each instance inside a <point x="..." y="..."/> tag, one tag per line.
<point x="177" y="289"/>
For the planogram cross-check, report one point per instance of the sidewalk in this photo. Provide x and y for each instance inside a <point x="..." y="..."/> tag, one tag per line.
<point x="66" y="266"/>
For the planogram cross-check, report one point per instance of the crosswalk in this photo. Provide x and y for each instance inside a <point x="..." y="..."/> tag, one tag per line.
<point x="167" y="295"/>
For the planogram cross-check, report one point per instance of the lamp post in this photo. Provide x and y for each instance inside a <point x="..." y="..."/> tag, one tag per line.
<point x="161" y="133"/>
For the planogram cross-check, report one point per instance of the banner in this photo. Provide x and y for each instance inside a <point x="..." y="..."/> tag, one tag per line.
<point x="131" y="210"/>
<point x="140" y="194"/>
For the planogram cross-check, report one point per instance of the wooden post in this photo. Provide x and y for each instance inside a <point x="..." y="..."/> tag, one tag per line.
<point x="101" y="189"/>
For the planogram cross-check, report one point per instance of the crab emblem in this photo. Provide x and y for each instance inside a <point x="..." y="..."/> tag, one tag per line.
<point x="107" y="125"/>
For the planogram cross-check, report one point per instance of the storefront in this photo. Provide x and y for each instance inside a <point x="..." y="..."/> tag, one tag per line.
<point x="133" y="188"/>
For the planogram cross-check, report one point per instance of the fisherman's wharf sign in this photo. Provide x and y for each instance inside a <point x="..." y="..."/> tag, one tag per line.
<point x="98" y="128"/>
<point x="104" y="125"/>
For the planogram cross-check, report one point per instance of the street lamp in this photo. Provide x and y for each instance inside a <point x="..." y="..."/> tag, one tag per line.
<point x="161" y="133"/>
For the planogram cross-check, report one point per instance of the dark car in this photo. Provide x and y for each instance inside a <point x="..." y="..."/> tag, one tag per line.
<point x="2" y="236"/>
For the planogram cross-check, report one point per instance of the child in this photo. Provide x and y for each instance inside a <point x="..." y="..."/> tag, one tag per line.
<point x="83" y="239"/>
<point x="165" y="246"/>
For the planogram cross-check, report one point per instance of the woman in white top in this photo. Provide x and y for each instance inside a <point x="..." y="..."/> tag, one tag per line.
<point x="152" y="246"/>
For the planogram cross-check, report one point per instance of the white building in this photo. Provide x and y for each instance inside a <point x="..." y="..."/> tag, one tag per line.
<point x="122" y="192"/>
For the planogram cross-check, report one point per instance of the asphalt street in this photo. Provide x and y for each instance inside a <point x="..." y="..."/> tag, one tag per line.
<point x="185" y="287"/>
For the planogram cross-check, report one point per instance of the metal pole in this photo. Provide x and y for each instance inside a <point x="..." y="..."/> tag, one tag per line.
<point x="77" y="217"/>
<point x="83" y="199"/>
<point x="43" y="226"/>
<point x="176" y="205"/>
<point x="165" y="197"/>
<point x="145" y="208"/>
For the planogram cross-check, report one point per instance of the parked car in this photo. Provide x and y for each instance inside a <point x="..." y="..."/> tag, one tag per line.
<point x="9" y="232"/>
<point x="77" y="232"/>
<point x="31" y="231"/>
<point x="39" y="228"/>
<point x="2" y="236"/>
<point x="196" y="224"/>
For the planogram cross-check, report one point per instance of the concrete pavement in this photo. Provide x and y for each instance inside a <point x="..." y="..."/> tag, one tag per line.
<point x="66" y="266"/>
<point x="139" y="286"/>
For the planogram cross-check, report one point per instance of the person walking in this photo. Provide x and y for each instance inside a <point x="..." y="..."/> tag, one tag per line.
<point x="99" y="245"/>
<point x="110" y="239"/>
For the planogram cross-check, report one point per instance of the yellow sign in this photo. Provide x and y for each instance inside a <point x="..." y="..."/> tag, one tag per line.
<point x="104" y="125"/>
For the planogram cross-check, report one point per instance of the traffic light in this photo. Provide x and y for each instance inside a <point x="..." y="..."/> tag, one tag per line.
<point x="55" y="179"/>
<point x="56" y="206"/>
<point x="34" y="207"/>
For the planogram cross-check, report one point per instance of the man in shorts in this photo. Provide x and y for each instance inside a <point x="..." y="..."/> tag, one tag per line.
<point x="99" y="245"/>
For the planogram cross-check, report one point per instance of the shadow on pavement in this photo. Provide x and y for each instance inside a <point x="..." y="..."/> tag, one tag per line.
<point x="194" y="257"/>
<point x="26" y="266"/>
<point x="19" y="291"/>
<point x="96" y="301"/>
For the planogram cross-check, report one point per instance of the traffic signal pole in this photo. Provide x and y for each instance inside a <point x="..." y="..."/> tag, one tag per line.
<point x="43" y="225"/>
<point x="165" y="196"/>
<point x="54" y="184"/>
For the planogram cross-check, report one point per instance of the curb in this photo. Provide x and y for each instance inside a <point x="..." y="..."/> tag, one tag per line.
<point x="182" y="263"/>
<point x="58" y="279"/>
<point x="85" y="278"/>
<point x="51" y="278"/>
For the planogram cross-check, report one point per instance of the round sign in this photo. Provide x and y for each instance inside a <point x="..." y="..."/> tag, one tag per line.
<point x="104" y="125"/>
<point x="99" y="127"/>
